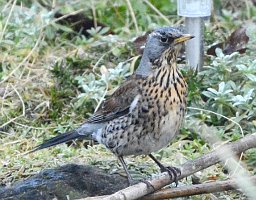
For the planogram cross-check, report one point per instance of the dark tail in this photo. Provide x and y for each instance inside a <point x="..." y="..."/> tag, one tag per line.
<point x="62" y="138"/>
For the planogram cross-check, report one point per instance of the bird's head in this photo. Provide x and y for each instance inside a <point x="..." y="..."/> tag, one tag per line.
<point x="165" y="44"/>
<point x="162" y="46"/>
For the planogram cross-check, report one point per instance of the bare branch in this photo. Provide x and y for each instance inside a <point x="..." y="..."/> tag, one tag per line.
<point x="141" y="189"/>
<point x="216" y="186"/>
<point x="133" y="15"/>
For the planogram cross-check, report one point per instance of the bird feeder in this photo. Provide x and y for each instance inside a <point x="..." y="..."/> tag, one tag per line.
<point x="194" y="12"/>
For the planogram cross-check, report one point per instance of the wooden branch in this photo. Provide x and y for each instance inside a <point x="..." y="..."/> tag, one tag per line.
<point x="183" y="191"/>
<point x="216" y="186"/>
<point x="141" y="189"/>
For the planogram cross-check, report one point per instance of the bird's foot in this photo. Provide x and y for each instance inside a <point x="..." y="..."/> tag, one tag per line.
<point x="149" y="185"/>
<point x="132" y="182"/>
<point x="173" y="172"/>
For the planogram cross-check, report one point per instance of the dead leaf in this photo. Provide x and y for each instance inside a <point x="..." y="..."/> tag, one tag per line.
<point x="236" y="42"/>
<point x="211" y="50"/>
<point x="139" y="43"/>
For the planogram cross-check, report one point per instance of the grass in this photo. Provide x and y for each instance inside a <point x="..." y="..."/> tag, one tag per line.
<point x="50" y="83"/>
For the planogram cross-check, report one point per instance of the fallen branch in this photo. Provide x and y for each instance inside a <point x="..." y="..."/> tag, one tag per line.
<point x="216" y="186"/>
<point x="141" y="189"/>
<point x="183" y="191"/>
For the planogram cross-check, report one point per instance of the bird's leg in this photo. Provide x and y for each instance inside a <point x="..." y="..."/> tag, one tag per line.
<point x="172" y="171"/>
<point x="130" y="180"/>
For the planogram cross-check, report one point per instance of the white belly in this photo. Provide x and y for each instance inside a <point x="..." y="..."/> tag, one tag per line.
<point x="169" y="128"/>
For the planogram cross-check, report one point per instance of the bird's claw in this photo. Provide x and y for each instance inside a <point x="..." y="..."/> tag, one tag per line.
<point x="149" y="185"/>
<point x="173" y="172"/>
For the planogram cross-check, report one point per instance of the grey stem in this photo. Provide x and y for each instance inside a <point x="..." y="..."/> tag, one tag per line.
<point x="125" y="169"/>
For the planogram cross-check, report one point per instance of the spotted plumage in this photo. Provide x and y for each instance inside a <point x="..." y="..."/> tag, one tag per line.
<point x="154" y="115"/>
<point x="145" y="113"/>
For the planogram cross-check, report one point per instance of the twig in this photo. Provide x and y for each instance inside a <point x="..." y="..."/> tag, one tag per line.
<point x="62" y="17"/>
<point x="94" y="14"/>
<point x="4" y="95"/>
<point x="157" y="11"/>
<point x="229" y="119"/>
<point x="190" y="190"/>
<point x="7" y="21"/>
<point x="21" y="100"/>
<point x="35" y="128"/>
<point x="217" y="186"/>
<point x="133" y="15"/>
<point x="25" y="59"/>
<point x="231" y="162"/>
<point x="141" y="189"/>
<point x="23" y="109"/>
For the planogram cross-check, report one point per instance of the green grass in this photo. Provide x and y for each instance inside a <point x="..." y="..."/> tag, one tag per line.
<point x="50" y="83"/>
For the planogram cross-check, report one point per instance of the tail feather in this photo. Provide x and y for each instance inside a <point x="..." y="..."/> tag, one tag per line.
<point x="62" y="138"/>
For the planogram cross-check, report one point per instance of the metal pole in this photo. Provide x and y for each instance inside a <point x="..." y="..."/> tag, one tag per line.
<point x="195" y="48"/>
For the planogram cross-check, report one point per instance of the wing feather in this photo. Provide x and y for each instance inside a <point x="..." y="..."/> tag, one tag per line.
<point x="118" y="104"/>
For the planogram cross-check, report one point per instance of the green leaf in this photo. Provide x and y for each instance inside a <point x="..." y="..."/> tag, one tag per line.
<point x="62" y="28"/>
<point x="221" y="87"/>
<point x="213" y="91"/>
<point x="219" y="53"/>
<point x="251" y="77"/>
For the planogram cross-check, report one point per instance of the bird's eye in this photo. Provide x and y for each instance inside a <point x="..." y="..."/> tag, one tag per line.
<point x="164" y="39"/>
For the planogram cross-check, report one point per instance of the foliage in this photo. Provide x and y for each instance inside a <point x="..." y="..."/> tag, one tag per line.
<point x="230" y="90"/>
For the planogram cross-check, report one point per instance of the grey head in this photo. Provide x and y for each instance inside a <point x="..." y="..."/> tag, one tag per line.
<point x="159" y="41"/>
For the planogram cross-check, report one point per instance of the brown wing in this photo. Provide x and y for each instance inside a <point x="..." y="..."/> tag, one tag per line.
<point x="118" y="103"/>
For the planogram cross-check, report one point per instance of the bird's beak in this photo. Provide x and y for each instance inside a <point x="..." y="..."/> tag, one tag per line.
<point x="183" y="38"/>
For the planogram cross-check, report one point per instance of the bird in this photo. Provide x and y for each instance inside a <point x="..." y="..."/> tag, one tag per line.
<point x="145" y="113"/>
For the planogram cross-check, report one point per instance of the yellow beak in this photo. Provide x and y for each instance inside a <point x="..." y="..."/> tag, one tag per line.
<point x="183" y="38"/>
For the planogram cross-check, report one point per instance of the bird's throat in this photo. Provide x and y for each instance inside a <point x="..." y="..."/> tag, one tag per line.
<point x="165" y="76"/>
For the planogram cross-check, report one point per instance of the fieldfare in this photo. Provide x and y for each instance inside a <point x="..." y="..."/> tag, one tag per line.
<point x="145" y="113"/>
